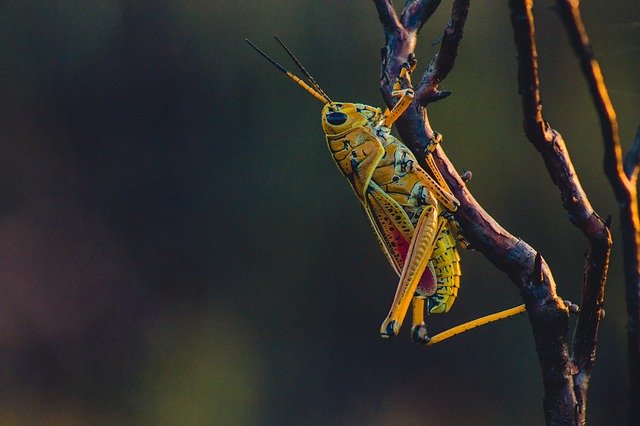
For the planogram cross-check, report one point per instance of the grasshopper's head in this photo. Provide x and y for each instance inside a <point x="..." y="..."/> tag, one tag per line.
<point x="339" y="117"/>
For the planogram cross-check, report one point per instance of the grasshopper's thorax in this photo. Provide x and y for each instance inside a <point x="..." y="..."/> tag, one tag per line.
<point x="350" y="135"/>
<point x="339" y="118"/>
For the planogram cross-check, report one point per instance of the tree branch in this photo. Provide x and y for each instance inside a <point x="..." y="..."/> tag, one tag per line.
<point x="417" y="12"/>
<point x="556" y="157"/>
<point x="623" y="181"/>
<point x="547" y="312"/>
<point x="565" y="379"/>
<point x="570" y="14"/>
<point x="427" y="91"/>
<point x="388" y="16"/>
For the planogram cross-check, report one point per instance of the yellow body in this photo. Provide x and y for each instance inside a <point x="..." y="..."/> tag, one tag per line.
<point x="394" y="191"/>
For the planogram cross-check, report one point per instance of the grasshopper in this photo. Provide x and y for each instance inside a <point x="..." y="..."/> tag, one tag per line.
<point x="409" y="211"/>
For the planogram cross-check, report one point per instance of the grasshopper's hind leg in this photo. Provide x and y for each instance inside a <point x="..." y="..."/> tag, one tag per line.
<point x="418" y="328"/>
<point x="420" y="250"/>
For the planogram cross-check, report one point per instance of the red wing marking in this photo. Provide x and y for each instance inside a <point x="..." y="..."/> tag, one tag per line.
<point x="395" y="245"/>
<point x="427" y="283"/>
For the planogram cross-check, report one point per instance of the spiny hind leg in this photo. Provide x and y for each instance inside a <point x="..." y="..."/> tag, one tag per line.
<point x="418" y="328"/>
<point x="420" y="250"/>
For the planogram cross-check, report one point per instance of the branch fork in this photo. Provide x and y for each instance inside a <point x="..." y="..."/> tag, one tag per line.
<point x="565" y="377"/>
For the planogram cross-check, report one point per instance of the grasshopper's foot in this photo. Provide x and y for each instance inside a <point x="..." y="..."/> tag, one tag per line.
<point x="389" y="328"/>
<point x="411" y="62"/>
<point x="573" y="308"/>
<point x="419" y="334"/>
<point x="437" y="138"/>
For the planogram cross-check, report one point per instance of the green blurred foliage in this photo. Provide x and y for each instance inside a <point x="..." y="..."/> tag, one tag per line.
<point x="178" y="248"/>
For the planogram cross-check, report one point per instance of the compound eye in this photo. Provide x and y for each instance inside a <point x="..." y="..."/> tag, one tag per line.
<point x="336" y="118"/>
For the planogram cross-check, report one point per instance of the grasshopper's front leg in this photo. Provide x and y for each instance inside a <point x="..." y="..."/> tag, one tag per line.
<point x="419" y="254"/>
<point x="406" y="96"/>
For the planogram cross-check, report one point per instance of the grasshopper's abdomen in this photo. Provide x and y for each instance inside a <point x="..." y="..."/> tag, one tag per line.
<point x="445" y="263"/>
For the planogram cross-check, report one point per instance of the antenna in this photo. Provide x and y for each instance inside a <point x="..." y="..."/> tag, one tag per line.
<point x="321" y="97"/>
<point x="303" y="69"/>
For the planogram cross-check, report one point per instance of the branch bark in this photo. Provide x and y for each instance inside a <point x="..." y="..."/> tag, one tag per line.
<point x="556" y="157"/>
<point x="623" y="180"/>
<point x="565" y="381"/>
<point x="632" y="160"/>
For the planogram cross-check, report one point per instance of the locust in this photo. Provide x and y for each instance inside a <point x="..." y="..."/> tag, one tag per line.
<point x="410" y="210"/>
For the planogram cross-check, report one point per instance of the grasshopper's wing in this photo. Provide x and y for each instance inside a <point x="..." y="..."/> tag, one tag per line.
<point x="394" y="231"/>
<point x="359" y="165"/>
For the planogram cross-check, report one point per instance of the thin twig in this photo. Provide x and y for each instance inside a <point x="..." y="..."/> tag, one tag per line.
<point x="632" y="160"/>
<point x="428" y="89"/>
<point x="570" y="14"/>
<point x="547" y="313"/>
<point x="556" y="157"/>
<point x="417" y="12"/>
<point x="622" y="178"/>
<point x="388" y="16"/>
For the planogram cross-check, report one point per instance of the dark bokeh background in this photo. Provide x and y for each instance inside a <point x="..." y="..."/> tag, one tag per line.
<point x="176" y="246"/>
